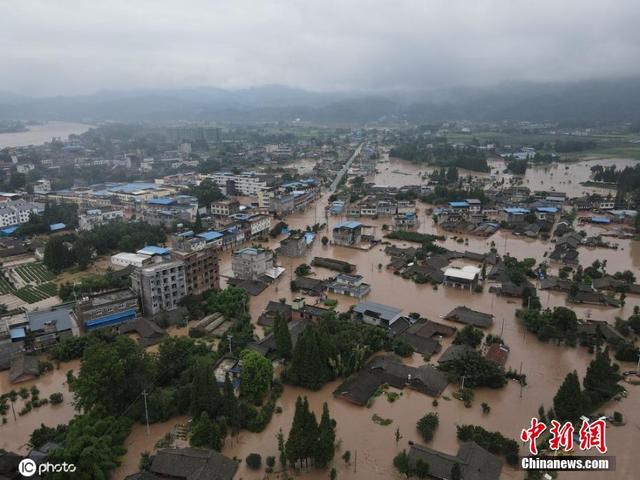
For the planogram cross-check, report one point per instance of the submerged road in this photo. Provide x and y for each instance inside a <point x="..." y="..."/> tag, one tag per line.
<point x="345" y="168"/>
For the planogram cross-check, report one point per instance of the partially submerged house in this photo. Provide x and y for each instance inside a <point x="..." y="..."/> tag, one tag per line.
<point x="23" y="368"/>
<point x="351" y="285"/>
<point x="188" y="464"/>
<point x="465" y="277"/>
<point x="376" y="314"/>
<point x="475" y="462"/>
<point x="462" y="314"/>
<point x="389" y="369"/>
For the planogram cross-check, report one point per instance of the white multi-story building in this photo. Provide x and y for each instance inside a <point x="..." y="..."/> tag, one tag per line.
<point x="251" y="263"/>
<point x="95" y="217"/>
<point x="239" y="184"/>
<point x="42" y="186"/>
<point x="160" y="286"/>
<point x="18" y="211"/>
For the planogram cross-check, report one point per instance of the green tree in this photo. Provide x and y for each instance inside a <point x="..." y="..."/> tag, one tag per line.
<point x="309" y="365"/>
<point x="427" y="425"/>
<point x="402" y="463"/>
<point x="569" y="402"/>
<point x="112" y="376"/>
<point x="469" y="335"/>
<point x="294" y="447"/>
<point x="197" y="226"/>
<point x="326" y="439"/>
<point x="206" y="433"/>
<point x="205" y="394"/>
<point x="57" y="256"/>
<point x="82" y="252"/>
<point x="282" y="452"/>
<point x="601" y="381"/>
<point x="282" y="337"/>
<point x="257" y="374"/>
<point x="230" y="408"/>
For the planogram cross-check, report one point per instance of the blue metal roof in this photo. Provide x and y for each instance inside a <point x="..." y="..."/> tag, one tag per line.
<point x="153" y="250"/>
<point x="132" y="187"/>
<point x="113" y="319"/>
<point x="459" y="204"/>
<point x="309" y="237"/>
<point x="600" y="220"/>
<point x="349" y="224"/>
<point x="17" y="333"/>
<point x="161" y="201"/>
<point x="210" y="236"/>
<point x="8" y="231"/>
<point x="57" y="226"/>
<point x="547" y="209"/>
<point x="516" y="210"/>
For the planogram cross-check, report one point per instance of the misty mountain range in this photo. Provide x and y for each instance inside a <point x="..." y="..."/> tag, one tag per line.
<point x="579" y="103"/>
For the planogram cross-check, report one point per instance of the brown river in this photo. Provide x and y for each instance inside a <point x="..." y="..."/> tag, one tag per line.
<point x="545" y="364"/>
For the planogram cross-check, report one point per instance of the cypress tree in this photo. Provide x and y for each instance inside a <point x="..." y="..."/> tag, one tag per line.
<point x="294" y="447"/>
<point x="229" y="402"/>
<point x="309" y="367"/>
<point x="206" y="433"/>
<point x="601" y="381"/>
<point x="283" y="337"/>
<point x="326" y="439"/>
<point x="310" y="432"/>
<point x="197" y="226"/>
<point x="569" y="403"/>
<point x="205" y="394"/>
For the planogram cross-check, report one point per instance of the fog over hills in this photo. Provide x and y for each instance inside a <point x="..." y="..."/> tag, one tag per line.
<point x="584" y="102"/>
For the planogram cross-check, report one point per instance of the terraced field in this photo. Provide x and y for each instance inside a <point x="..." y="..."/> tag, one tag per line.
<point x="33" y="294"/>
<point x="34" y="273"/>
<point x="5" y="286"/>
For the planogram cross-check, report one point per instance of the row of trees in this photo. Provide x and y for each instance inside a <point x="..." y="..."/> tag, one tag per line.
<point x="65" y="251"/>
<point x="600" y="385"/>
<point x="440" y="152"/>
<point x="333" y="348"/>
<point x="308" y="439"/>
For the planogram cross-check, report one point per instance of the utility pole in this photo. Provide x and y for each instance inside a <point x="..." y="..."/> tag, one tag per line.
<point x="355" y="462"/>
<point x="230" y="337"/>
<point x="502" y="328"/>
<point x="520" y="379"/>
<point x="146" y="410"/>
<point x="462" y="386"/>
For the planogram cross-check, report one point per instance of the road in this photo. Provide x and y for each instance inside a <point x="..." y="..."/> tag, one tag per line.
<point x="345" y="168"/>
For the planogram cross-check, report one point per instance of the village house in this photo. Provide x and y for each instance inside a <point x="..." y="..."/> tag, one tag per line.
<point x="351" y="285"/>
<point x="347" y="234"/>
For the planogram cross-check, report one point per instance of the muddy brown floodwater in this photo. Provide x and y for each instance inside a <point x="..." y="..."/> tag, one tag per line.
<point x="545" y="364"/>
<point x="14" y="435"/>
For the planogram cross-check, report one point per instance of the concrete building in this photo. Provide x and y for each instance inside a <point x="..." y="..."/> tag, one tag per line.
<point x="352" y="285"/>
<point x="347" y="233"/>
<point x="42" y="186"/>
<point x="376" y="313"/>
<point x="465" y="277"/>
<point x="224" y="208"/>
<point x="251" y="263"/>
<point x="124" y="259"/>
<point x="201" y="268"/>
<point x="18" y="211"/>
<point x="160" y="286"/>
<point x="107" y="309"/>
<point x="247" y="183"/>
<point x="95" y="217"/>
<point x="294" y="245"/>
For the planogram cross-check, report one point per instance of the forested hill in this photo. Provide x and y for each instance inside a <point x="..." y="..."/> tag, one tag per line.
<point x="579" y="103"/>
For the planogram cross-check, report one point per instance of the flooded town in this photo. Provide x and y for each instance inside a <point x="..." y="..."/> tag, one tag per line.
<point x="252" y="262"/>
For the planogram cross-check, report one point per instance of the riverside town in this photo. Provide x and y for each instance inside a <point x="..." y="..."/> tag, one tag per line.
<point x="347" y="241"/>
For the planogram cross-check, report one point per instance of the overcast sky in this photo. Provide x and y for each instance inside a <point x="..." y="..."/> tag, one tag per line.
<point x="80" y="46"/>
